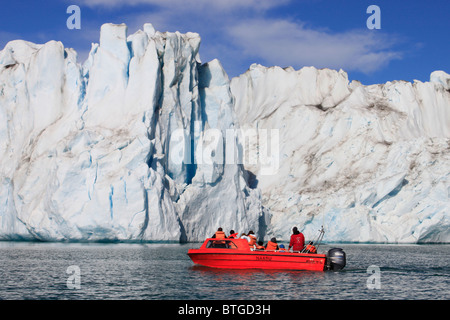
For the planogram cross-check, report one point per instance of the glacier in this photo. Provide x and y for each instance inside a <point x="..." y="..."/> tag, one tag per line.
<point x="144" y="142"/>
<point x="369" y="163"/>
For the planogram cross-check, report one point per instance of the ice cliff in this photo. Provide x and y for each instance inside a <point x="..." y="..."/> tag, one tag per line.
<point x="369" y="163"/>
<point x="87" y="152"/>
<point x="144" y="142"/>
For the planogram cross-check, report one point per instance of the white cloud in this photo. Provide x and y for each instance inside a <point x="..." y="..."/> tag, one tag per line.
<point x="243" y="31"/>
<point x="288" y="43"/>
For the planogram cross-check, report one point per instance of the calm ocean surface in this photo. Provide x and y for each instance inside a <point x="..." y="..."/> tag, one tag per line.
<point x="164" y="271"/>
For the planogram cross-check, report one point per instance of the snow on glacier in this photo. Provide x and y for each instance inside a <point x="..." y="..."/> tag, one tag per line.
<point x="135" y="144"/>
<point x="85" y="151"/>
<point x="369" y="163"/>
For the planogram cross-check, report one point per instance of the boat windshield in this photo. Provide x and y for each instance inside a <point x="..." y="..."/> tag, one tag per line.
<point x="222" y="244"/>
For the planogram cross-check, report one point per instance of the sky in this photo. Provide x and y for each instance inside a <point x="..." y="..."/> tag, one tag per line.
<point x="413" y="39"/>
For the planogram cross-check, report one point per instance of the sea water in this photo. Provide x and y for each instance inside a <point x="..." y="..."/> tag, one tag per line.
<point x="74" y="271"/>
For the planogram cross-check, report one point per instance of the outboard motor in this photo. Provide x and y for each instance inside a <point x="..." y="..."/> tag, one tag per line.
<point x="336" y="259"/>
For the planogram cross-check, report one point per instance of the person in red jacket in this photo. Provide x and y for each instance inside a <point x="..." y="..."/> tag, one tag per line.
<point x="297" y="240"/>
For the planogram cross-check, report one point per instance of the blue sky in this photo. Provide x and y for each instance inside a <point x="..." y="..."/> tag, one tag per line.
<point x="413" y="40"/>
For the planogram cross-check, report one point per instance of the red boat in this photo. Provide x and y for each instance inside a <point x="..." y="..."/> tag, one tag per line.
<point x="237" y="254"/>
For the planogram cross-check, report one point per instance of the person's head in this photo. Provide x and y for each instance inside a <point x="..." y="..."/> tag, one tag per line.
<point x="282" y="246"/>
<point x="232" y="231"/>
<point x="260" y="242"/>
<point x="220" y="229"/>
<point x="251" y="232"/>
<point x="310" y="243"/>
<point x="274" y="239"/>
<point x="295" y="230"/>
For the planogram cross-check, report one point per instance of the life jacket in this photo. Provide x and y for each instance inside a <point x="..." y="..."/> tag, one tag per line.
<point x="232" y="236"/>
<point x="311" y="249"/>
<point x="271" y="246"/>
<point x="220" y="235"/>
<point x="282" y="249"/>
<point x="258" y="247"/>
<point x="252" y="241"/>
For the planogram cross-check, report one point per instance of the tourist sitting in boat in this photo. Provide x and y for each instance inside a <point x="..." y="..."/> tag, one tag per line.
<point x="259" y="246"/>
<point x="233" y="235"/>
<point x="272" y="245"/>
<point x="310" y="248"/>
<point x="297" y="242"/>
<point x="219" y="234"/>
<point x="282" y="248"/>
<point x="244" y="236"/>
<point x="252" y="237"/>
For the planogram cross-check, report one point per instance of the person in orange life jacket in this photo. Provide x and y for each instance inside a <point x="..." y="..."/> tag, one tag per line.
<point x="282" y="248"/>
<point x="297" y="240"/>
<point x="245" y="236"/>
<point x="272" y="245"/>
<point x="260" y="246"/>
<point x="219" y="234"/>
<point x="252" y="237"/>
<point x="310" y="248"/>
<point x="232" y="235"/>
